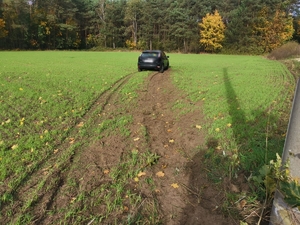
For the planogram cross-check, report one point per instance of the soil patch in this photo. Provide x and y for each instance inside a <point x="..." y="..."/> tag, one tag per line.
<point x="181" y="145"/>
<point x="182" y="193"/>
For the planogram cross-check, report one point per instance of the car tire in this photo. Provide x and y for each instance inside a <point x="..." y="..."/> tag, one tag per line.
<point x="167" y="67"/>
<point x="162" y="68"/>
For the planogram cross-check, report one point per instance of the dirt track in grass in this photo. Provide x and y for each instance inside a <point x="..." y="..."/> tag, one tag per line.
<point x="169" y="134"/>
<point x="181" y="146"/>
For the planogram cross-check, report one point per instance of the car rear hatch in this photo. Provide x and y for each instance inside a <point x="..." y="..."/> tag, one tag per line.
<point x="150" y="57"/>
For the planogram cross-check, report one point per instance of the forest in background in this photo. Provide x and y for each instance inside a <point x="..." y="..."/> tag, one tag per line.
<point x="251" y="26"/>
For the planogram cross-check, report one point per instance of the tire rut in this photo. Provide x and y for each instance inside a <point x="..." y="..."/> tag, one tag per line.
<point x="166" y="138"/>
<point x="79" y="169"/>
<point x="179" y="176"/>
<point x="53" y="171"/>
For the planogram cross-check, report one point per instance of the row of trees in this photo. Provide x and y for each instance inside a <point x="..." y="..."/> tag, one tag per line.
<point x="246" y="26"/>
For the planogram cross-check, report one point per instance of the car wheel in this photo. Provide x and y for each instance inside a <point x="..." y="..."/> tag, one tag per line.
<point x="167" y="66"/>
<point x="162" y="68"/>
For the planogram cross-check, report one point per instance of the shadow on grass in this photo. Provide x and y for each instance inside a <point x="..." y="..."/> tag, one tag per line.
<point x="257" y="143"/>
<point x="258" y="139"/>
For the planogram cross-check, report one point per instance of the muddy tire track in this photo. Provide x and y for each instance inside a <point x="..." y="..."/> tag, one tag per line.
<point x="180" y="144"/>
<point x="78" y="166"/>
<point x="53" y="172"/>
<point x="166" y="138"/>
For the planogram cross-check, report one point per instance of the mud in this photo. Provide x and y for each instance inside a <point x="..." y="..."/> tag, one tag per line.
<point x="184" y="195"/>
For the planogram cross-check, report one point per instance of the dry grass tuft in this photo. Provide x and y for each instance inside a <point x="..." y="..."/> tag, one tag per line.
<point x="290" y="49"/>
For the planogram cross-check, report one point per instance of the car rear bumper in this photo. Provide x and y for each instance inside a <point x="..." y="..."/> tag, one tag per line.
<point x="148" y="66"/>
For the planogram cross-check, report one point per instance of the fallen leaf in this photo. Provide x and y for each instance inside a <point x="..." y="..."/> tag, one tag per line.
<point x="175" y="185"/>
<point x="80" y="124"/>
<point x="243" y="203"/>
<point x="229" y="125"/>
<point x="14" y="147"/>
<point x="198" y="127"/>
<point x="55" y="151"/>
<point x="218" y="147"/>
<point x="218" y="129"/>
<point x="171" y="141"/>
<point x="136" y="139"/>
<point x="125" y="209"/>
<point x="71" y="140"/>
<point x="72" y="200"/>
<point x="169" y="130"/>
<point x="106" y="171"/>
<point x="141" y="174"/>
<point x="160" y="174"/>
<point x="136" y="179"/>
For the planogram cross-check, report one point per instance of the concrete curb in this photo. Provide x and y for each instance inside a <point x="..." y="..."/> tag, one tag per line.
<point x="282" y="213"/>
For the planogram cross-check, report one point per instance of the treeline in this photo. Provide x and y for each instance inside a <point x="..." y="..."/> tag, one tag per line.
<point x="251" y="26"/>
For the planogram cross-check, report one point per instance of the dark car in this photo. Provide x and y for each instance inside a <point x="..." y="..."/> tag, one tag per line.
<point x="153" y="60"/>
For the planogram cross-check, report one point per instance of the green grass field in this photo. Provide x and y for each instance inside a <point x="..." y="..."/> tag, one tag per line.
<point x="243" y="101"/>
<point x="43" y="96"/>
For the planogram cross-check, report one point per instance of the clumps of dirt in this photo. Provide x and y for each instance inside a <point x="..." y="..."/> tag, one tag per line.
<point x="181" y="191"/>
<point x="181" y="146"/>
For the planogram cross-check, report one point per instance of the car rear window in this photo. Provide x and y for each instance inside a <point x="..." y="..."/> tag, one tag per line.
<point x="150" y="54"/>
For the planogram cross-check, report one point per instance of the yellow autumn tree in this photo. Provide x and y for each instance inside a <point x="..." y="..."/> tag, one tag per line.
<point x="3" y="32"/>
<point x="297" y="22"/>
<point x="274" y="30"/>
<point x="212" y="31"/>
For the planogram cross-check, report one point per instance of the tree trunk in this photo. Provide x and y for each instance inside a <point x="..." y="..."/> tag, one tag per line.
<point x="134" y="24"/>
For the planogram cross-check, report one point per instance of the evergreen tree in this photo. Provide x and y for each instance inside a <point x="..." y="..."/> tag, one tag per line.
<point x="132" y="17"/>
<point x="252" y="26"/>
